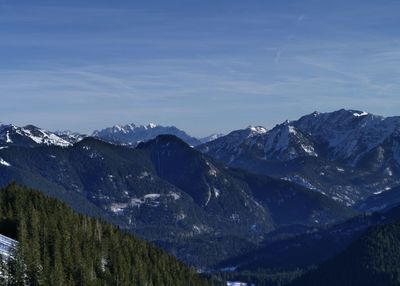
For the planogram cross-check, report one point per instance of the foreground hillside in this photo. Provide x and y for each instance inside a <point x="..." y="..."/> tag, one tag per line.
<point x="59" y="247"/>
<point x="373" y="259"/>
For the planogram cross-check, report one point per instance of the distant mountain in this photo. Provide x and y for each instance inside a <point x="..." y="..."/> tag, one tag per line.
<point x="228" y="148"/>
<point x="210" y="138"/>
<point x="132" y="134"/>
<point x="70" y="136"/>
<point x="282" y="143"/>
<point x="348" y="155"/>
<point x="169" y="193"/>
<point x="29" y="136"/>
<point x="354" y="137"/>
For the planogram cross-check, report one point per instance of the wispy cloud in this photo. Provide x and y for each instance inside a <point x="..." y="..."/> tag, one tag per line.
<point x="289" y="38"/>
<point x="88" y="65"/>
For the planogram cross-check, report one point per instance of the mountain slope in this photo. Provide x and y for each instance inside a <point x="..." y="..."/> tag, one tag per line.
<point x="348" y="155"/>
<point x="60" y="247"/>
<point x="132" y="134"/>
<point x="169" y="193"/>
<point x="382" y="200"/>
<point x="350" y="134"/>
<point x="229" y="147"/>
<point x="291" y="204"/>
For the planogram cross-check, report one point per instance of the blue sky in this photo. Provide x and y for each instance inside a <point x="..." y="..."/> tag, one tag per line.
<point x="205" y="66"/>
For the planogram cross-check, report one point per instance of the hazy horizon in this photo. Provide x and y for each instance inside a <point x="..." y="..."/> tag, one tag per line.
<point x="89" y="132"/>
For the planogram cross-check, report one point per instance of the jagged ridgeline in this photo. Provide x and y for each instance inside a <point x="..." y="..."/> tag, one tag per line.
<point x="60" y="247"/>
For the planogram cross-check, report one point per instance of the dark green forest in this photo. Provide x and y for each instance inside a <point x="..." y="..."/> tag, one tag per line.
<point x="60" y="247"/>
<point x="373" y="259"/>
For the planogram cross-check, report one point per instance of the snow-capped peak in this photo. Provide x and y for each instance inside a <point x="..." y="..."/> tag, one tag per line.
<point x="349" y="134"/>
<point x="285" y="142"/>
<point x="132" y="134"/>
<point x="258" y="129"/>
<point x="29" y="135"/>
<point x="125" y="129"/>
<point x="292" y="130"/>
<point x="118" y="128"/>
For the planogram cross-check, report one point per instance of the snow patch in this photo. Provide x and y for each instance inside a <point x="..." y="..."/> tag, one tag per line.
<point x="152" y="196"/>
<point x="208" y="197"/>
<point x="388" y="172"/>
<point x="118" y="208"/>
<point x="4" y="163"/>
<point x="309" y="150"/>
<point x="258" y="129"/>
<point x="236" y="283"/>
<point x="381" y="191"/>
<point x="153" y="199"/>
<point x="174" y="195"/>
<point x="300" y="181"/>
<point x="217" y="192"/>
<point x="180" y="216"/>
<point x="42" y="137"/>
<point x="360" y="114"/>
<point x="8" y="140"/>
<point x="144" y="175"/>
<point x="212" y="171"/>
<point x="198" y="229"/>
<point x="292" y="130"/>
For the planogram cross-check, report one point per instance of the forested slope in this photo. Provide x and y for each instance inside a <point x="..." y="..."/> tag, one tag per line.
<point x="60" y="247"/>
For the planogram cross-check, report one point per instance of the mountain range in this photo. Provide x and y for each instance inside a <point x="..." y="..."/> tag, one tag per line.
<point x="347" y="155"/>
<point x="282" y="199"/>
<point x="128" y="135"/>
<point x="168" y="192"/>
<point x="132" y="134"/>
